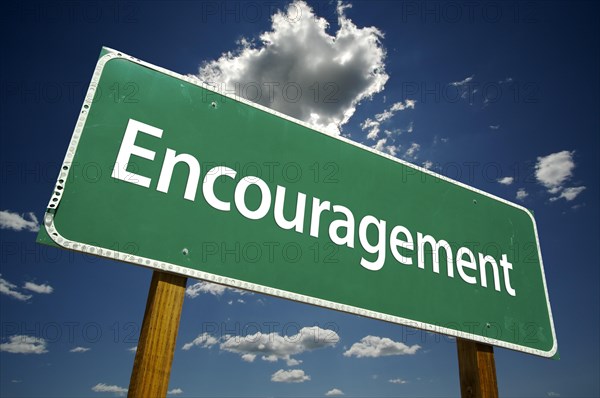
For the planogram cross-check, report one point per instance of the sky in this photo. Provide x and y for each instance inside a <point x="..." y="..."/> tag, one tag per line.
<point x="502" y="96"/>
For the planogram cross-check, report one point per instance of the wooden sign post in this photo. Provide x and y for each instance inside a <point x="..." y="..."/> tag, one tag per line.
<point x="477" y="370"/>
<point x="156" y="346"/>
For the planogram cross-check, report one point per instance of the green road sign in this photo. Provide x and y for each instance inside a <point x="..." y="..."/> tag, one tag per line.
<point x="165" y="172"/>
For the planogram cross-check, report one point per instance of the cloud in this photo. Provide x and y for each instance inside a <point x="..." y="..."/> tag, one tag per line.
<point x="132" y="349"/>
<point x="175" y="391"/>
<point x="101" y="387"/>
<point x="17" y="222"/>
<point x="301" y="70"/>
<point x="21" y="344"/>
<point x="199" y="288"/>
<point x="495" y="127"/>
<point x="398" y="381"/>
<point x="289" y="376"/>
<point x="80" y="349"/>
<point x="374" y="347"/>
<point x="554" y="170"/>
<point x="41" y="289"/>
<point x="336" y="392"/>
<point x="10" y="290"/>
<point x="553" y="394"/>
<point x="569" y="194"/>
<point x="411" y="152"/>
<point x="506" y="180"/>
<point x="428" y="164"/>
<point x="462" y="82"/>
<point x="373" y="126"/>
<point x="522" y="194"/>
<point x="271" y="347"/>
<point x="382" y="147"/>
<point x="204" y="340"/>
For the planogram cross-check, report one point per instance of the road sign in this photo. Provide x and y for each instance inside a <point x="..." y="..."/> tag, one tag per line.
<point x="165" y="172"/>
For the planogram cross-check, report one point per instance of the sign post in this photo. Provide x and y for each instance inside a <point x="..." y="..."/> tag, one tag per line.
<point x="477" y="370"/>
<point x="156" y="345"/>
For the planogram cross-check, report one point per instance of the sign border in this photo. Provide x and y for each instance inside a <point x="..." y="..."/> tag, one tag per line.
<point x="110" y="54"/>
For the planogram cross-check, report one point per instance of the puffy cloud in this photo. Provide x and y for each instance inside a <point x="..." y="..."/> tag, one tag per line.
<point x="335" y="392"/>
<point x="21" y="344"/>
<point x="175" y="391"/>
<point x="301" y="70"/>
<point x="17" y="222"/>
<point x="374" y="347"/>
<point x="522" y="194"/>
<point x="132" y="349"/>
<point x="462" y="82"/>
<point x="381" y="146"/>
<point x="373" y="126"/>
<point x="79" y="349"/>
<point x="554" y="170"/>
<point x="506" y="180"/>
<point x="199" y="288"/>
<point x="101" y="387"/>
<point x="495" y="127"/>
<point x="41" y="289"/>
<point x="428" y="164"/>
<point x="569" y="194"/>
<point x="289" y="376"/>
<point x="270" y="347"/>
<point x="411" y="152"/>
<point x="397" y="381"/>
<point x="10" y="289"/>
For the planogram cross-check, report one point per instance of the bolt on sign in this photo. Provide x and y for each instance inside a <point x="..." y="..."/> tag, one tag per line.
<point x="166" y="172"/>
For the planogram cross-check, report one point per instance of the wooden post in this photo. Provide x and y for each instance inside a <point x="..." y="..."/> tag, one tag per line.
<point x="156" y="346"/>
<point x="477" y="370"/>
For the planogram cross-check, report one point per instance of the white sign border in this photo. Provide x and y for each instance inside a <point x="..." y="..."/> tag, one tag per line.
<point x="235" y="283"/>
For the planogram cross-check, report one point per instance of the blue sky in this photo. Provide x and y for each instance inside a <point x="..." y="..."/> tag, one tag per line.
<point x="501" y="96"/>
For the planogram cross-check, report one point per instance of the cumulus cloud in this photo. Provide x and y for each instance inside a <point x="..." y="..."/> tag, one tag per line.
<point x="101" y="387"/>
<point x="289" y="376"/>
<point x="506" y="180"/>
<point x="40" y="289"/>
<point x="17" y="222"/>
<point x="301" y="70"/>
<point x="397" y="381"/>
<point x="554" y="170"/>
<point x="428" y="164"/>
<point x="270" y="347"/>
<point x="411" y="152"/>
<point x="522" y="194"/>
<point x="21" y="344"/>
<point x="335" y="392"/>
<point x="568" y="194"/>
<point x="10" y="290"/>
<point x="374" y="347"/>
<point x="80" y="349"/>
<point x="462" y="82"/>
<point x="382" y="146"/>
<point x="199" y="288"/>
<point x="495" y="126"/>
<point x="175" y="391"/>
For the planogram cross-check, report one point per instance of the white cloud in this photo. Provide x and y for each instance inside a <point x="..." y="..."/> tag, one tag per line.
<point x="175" y="391"/>
<point x="80" y="349"/>
<point x="335" y="392"/>
<point x="506" y="180"/>
<point x="553" y="394"/>
<point x="101" y="387"/>
<point x="289" y="376"/>
<point x="132" y="349"/>
<point x="41" y="289"/>
<point x="569" y="194"/>
<point x="10" y="290"/>
<point x="495" y="127"/>
<point x="554" y="170"/>
<point x="199" y="288"/>
<point x="428" y="164"/>
<point x="411" y="152"/>
<point x="204" y="340"/>
<point x="17" y="222"/>
<point x="333" y="71"/>
<point x="462" y="82"/>
<point x="270" y="347"/>
<point x="373" y="126"/>
<point x="21" y="344"/>
<point x="522" y="194"/>
<point x="389" y="149"/>
<point x="398" y="381"/>
<point x="374" y="347"/>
